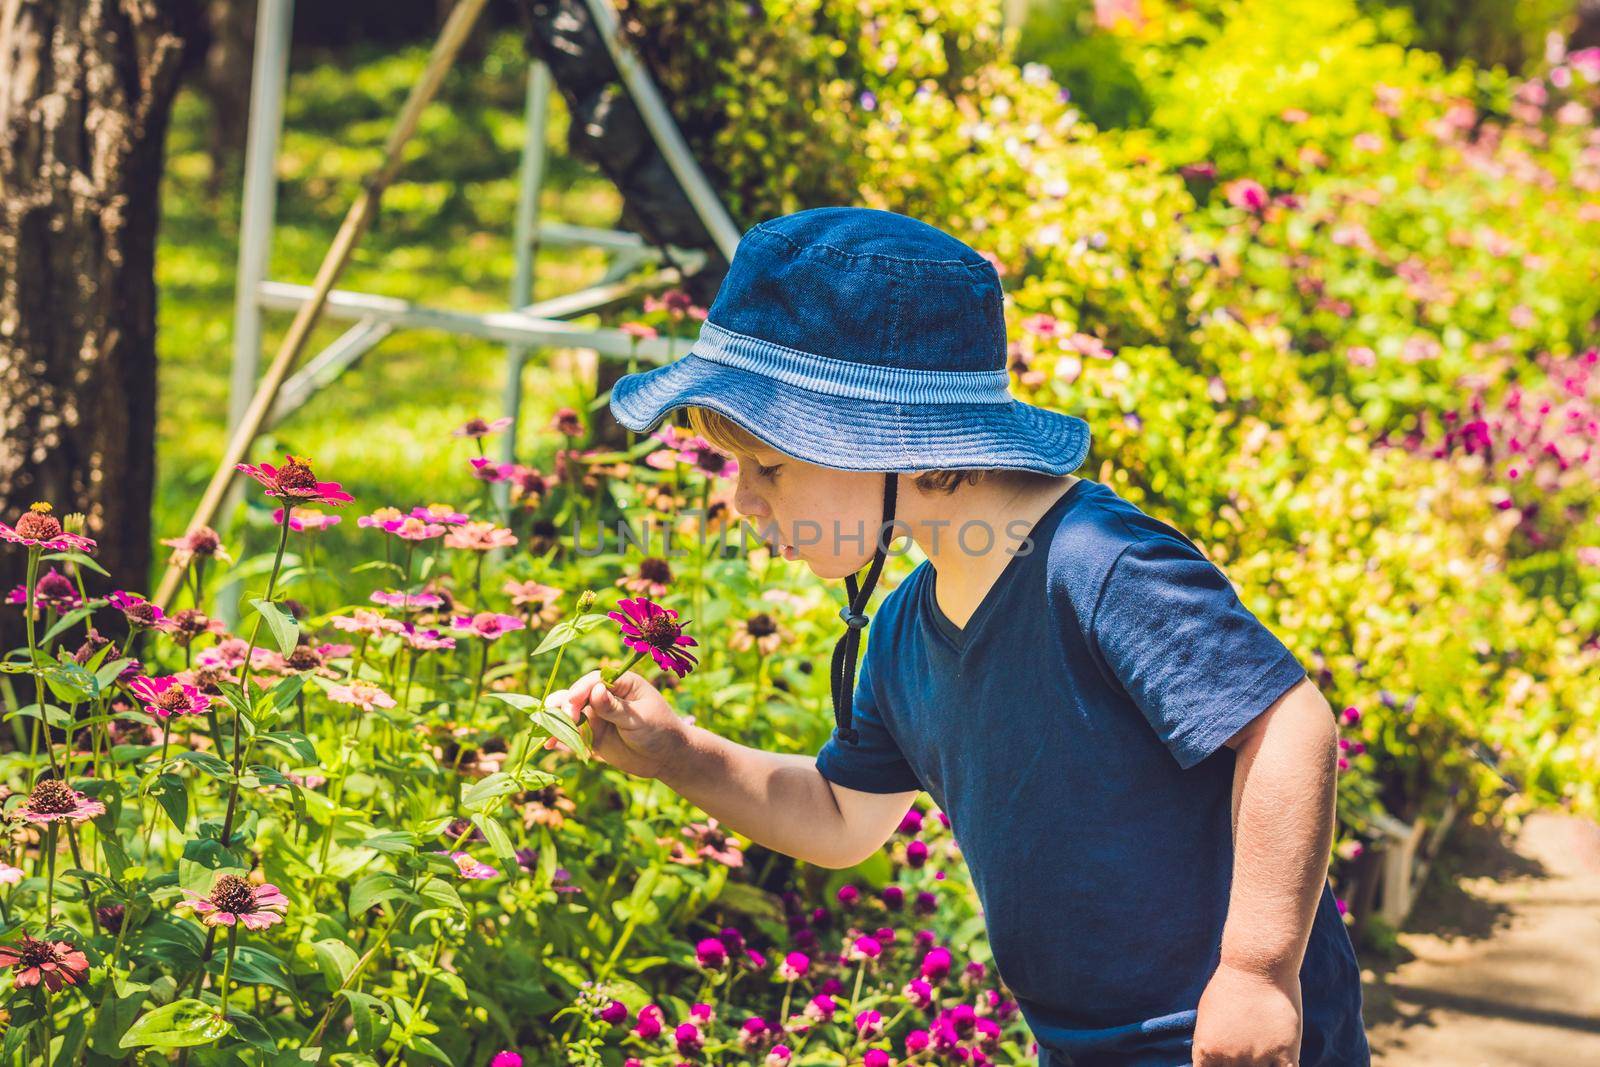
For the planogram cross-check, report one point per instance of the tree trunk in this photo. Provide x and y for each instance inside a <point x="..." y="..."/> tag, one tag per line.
<point x="86" y="87"/>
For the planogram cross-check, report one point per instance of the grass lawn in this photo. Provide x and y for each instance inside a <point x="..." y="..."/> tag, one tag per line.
<point x="443" y="237"/>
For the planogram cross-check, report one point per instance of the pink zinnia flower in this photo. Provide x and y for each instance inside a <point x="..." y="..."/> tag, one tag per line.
<point x="139" y="612"/>
<point x="567" y="422"/>
<point x="412" y="528"/>
<point x="440" y="513"/>
<point x="296" y="481"/>
<point x="477" y="427"/>
<point x="479" y="537"/>
<point x="643" y="331"/>
<point x="55" y="963"/>
<point x="10" y="875"/>
<point x="488" y="625"/>
<point x="1246" y="194"/>
<point x="301" y="519"/>
<point x="648" y="627"/>
<point x="202" y="541"/>
<point x="363" y="695"/>
<point x="471" y="868"/>
<point x="53" y="799"/>
<point x="541" y="600"/>
<point x="52" y="591"/>
<point x="407" y="601"/>
<point x="425" y="640"/>
<point x="379" y="517"/>
<point x="235" y="901"/>
<point x="487" y="470"/>
<point x="654" y="577"/>
<point x="715" y="843"/>
<point x="166" y="697"/>
<point x="37" y="528"/>
<point x="365" y="621"/>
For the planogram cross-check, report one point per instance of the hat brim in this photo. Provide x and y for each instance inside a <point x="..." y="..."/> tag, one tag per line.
<point x="846" y="433"/>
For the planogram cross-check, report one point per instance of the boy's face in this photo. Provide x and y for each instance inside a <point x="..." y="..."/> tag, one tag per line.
<point x="826" y="517"/>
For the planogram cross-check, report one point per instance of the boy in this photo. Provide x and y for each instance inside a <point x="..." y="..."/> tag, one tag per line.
<point x="1139" y="774"/>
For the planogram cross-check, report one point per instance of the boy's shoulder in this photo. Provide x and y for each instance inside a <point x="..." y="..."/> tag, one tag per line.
<point x="1084" y="546"/>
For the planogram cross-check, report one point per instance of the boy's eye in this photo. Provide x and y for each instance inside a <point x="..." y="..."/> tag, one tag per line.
<point x="767" y="472"/>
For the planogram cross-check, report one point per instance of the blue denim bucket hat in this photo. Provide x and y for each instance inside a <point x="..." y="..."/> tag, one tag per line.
<point x="861" y="340"/>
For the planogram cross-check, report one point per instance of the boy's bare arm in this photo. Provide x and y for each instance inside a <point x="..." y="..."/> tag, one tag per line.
<point x="780" y="801"/>
<point x="1283" y="807"/>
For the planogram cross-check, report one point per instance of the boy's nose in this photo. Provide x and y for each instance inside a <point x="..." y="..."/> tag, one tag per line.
<point x="747" y="503"/>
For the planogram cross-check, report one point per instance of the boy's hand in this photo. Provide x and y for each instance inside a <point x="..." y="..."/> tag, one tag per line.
<point x="1248" y="1020"/>
<point x="634" y="728"/>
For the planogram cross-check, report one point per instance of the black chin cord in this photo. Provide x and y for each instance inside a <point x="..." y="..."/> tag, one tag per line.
<point x="846" y="651"/>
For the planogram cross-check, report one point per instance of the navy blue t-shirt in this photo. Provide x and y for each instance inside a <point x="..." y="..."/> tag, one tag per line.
<point x="1073" y="731"/>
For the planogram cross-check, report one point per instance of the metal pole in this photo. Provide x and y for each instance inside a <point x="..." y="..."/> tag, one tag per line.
<point x="525" y="234"/>
<point x="665" y="130"/>
<point x="268" y="78"/>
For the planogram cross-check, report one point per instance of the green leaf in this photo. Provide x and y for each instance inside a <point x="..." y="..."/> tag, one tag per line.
<point x="372" y="1018"/>
<point x="252" y="966"/>
<point x="559" y="634"/>
<point x="172" y="793"/>
<point x="392" y="843"/>
<point x="208" y="763"/>
<point x="285" y="631"/>
<point x="336" y="959"/>
<point x="66" y="622"/>
<point x="107" y="673"/>
<point x="489" y="789"/>
<point x="180" y="1024"/>
<point x="118" y="1006"/>
<point x="79" y="558"/>
<point x="375" y="889"/>
<point x="563" y="729"/>
<point x="498" y="839"/>
<point x="444" y="894"/>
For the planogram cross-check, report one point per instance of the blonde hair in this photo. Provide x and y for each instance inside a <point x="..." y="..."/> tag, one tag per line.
<point x="729" y="436"/>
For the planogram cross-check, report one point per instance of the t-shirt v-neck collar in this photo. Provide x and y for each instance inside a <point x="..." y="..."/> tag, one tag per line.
<point x="959" y="636"/>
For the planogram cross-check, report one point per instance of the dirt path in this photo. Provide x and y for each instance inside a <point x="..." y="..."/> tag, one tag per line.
<point x="1504" y="957"/>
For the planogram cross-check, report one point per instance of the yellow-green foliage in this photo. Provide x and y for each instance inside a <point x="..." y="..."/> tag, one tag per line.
<point x="1227" y="402"/>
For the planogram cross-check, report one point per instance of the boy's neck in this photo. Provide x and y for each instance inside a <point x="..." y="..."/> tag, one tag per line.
<point x="1001" y="514"/>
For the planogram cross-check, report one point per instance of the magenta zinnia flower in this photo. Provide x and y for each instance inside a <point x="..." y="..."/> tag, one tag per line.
<point x="648" y="627"/>
<point x="139" y="612"/>
<point x="53" y="799"/>
<point x="425" y="640"/>
<point x="711" y="953"/>
<point x="52" y="591"/>
<point x="301" y="519"/>
<point x="37" y="528"/>
<point x="412" y="528"/>
<point x="166" y="697"/>
<point x="55" y="963"/>
<point x="471" y="868"/>
<point x="296" y="481"/>
<point x="506" y="1059"/>
<point x="234" y="900"/>
<point x="440" y="513"/>
<point x="794" y="966"/>
<point x="488" y="625"/>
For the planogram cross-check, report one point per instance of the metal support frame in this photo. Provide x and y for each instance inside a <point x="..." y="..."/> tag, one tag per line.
<point x="526" y="326"/>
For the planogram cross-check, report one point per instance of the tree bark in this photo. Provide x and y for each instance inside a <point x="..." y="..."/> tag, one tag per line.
<point x="86" y="88"/>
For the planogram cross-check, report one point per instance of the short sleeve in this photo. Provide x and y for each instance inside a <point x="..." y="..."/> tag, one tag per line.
<point x="1199" y="665"/>
<point x="874" y="765"/>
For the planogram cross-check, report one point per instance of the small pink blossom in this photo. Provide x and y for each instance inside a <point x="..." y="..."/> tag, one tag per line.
<point x="363" y="695"/>
<point x="412" y="528"/>
<point x="488" y="625"/>
<point x="477" y="427"/>
<point x="440" y="513"/>
<point x="471" y="868"/>
<point x="301" y="519"/>
<point x="479" y="537"/>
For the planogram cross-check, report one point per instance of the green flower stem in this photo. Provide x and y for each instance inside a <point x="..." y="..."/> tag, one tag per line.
<point x="227" y="967"/>
<point x="28" y="609"/>
<point x="355" y="972"/>
<point x="477" y="686"/>
<point x="255" y="632"/>
<point x="50" y="873"/>
<point x="416" y="1001"/>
